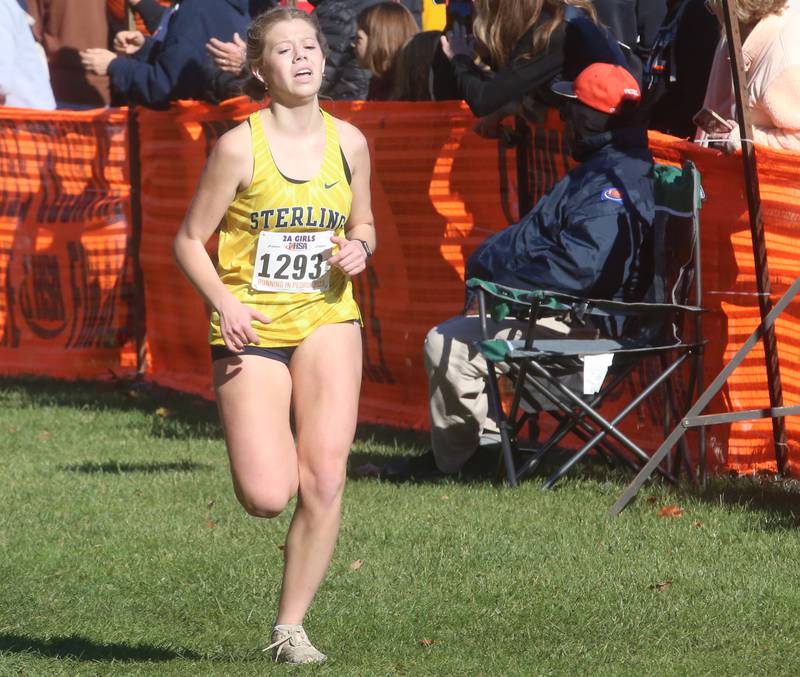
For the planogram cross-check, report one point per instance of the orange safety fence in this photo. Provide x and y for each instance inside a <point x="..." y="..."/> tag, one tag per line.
<point x="438" y="189"/>
<point x="67" y="296"/>
<point x="730" y="293"/>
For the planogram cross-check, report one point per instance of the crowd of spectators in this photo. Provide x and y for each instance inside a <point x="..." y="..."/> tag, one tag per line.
<point x="501" y="57"/>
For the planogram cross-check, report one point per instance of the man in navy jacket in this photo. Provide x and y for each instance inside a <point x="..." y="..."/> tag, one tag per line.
<point x="173" y="63"/>
<point x="589" y="236"/>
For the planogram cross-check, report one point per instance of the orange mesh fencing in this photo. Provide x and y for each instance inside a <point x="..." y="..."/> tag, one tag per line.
<point x="730" y="293"/>
<point x="66" y="283"/>
<point x="66" y="277"/>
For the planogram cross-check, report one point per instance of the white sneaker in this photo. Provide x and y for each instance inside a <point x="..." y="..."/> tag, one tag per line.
<point x="290" y="644"/>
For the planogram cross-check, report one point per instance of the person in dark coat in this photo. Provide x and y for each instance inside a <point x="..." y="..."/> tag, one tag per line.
<point x="561" y="40"/>
<point x="635" y="24"/>
<point x="589" y="236"/>
<point x="344" y="79"/>
<point x="676" y="74"/>
<point x="175" y="67"/>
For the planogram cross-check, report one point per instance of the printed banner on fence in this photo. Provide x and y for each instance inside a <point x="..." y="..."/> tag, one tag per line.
<point x="66" y="277"/>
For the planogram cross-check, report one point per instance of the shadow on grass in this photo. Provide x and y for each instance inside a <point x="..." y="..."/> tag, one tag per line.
<point x="777" y="498"/>
<point x="84" y="649"/>
<point x="117" y="468"/>
<point x="175" y="415"/>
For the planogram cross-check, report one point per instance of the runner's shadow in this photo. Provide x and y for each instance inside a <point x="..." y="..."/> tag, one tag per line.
<point x="84" y="649"/>
<point x="117" y="468"/>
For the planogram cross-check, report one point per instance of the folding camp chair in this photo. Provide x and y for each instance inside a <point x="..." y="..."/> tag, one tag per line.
<point x="535" y="367"/>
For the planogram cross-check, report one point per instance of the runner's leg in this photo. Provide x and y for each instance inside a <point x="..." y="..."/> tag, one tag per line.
<point x="253" y="396"/>
<point x="326" y="377"/>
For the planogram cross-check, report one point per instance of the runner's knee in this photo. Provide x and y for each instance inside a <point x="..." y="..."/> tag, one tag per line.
<point x="323" y="485"/>
<point x="265" y="503"/>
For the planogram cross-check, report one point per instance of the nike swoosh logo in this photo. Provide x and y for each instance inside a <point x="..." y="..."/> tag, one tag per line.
<point x="330" y="185"/>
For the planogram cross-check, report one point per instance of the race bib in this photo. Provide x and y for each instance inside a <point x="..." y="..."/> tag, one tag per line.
<point x="292" y="262"/>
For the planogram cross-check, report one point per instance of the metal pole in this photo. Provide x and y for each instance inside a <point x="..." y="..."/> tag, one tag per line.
<point x="708" y="394"/>
<point x="756" y="226"/>
<point x="522" y="135"/>
<point x="135" y="168"/>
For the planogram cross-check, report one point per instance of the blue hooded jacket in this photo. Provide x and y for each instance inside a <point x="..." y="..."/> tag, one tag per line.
<point x="177" y="67"/>
<point x="590" y="235"/>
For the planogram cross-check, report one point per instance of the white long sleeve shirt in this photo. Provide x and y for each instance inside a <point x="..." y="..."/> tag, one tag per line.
<point x="24" y="80"/>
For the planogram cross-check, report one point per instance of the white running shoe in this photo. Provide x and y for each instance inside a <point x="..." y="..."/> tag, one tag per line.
<point x="290" y="644"/>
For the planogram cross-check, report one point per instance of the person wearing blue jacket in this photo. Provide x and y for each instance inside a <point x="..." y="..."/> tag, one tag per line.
<point x="173" y="63"/>
<point x="590" y="236"/>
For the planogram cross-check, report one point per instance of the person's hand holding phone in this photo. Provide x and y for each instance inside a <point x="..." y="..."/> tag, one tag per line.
<point x="456" y="42"/>
<point x="712" y="123"/>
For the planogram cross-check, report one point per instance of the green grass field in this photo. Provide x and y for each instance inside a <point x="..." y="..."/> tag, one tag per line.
<point x="124" y="552"/>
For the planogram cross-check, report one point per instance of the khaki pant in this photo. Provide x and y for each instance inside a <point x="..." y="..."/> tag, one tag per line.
<point x="457" y="372"/>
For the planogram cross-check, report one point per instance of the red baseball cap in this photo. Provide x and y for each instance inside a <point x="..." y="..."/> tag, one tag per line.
<point x="602" y="86"/>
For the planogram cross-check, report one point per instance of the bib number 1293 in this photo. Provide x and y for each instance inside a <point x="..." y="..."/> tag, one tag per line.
<point x="292" y="262"/>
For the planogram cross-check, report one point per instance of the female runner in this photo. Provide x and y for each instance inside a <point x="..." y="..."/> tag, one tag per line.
<point x="292" y="185"/>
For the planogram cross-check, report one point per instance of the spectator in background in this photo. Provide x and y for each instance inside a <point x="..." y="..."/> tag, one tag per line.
<point x="64" y="28"/>
<point x="226" y="70"/>
<point x="635" y="24"/>
<point x="175" y="68"/>
<point x="770" y="31"/>
<point x="344" y="79"/>
<point x="382" y="30"/>
<point x="530" y="44"/>
<point x="24" y="80"/>
<point x="412" y="69"/>
<point x="676" y="73"/>
<point x="590" y="235"/>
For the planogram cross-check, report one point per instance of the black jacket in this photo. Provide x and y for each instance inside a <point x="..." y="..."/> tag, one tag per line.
<point x="633" y="22"/>
<point x="677" y="72"/>
<point x="590" y="235"/>
<point x="573" y="45"/>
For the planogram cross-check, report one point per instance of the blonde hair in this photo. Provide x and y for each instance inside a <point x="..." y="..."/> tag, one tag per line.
<point x="257" y="40"/>
<point x="749" y="12"/>
<point x="500" y="24"/>
<point x="388" y="25"/>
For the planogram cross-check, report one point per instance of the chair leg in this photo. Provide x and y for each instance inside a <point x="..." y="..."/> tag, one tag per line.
<point x="502" y="422"/>
<point x="607" y="428"/>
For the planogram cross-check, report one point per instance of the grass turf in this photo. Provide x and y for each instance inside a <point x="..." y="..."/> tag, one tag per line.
<point x="124" y="552"/>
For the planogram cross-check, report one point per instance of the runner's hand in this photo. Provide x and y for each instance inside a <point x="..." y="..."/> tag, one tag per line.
<point x="236" y="324"/>
<point x="351" y="257"/>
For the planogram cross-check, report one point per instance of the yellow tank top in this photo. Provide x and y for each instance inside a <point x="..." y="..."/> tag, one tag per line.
<point x="317" y="208"/>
